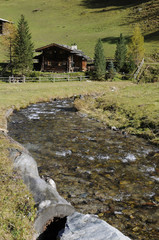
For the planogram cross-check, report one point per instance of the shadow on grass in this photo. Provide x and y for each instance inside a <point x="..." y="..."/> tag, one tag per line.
<point x="114" y="40"/>
<point x="111" y="3"/>
<point x="152" y="36"/>
<point x="139" y="17"/>
<point x="148" y="38"/>
<point x="109" y="9"/>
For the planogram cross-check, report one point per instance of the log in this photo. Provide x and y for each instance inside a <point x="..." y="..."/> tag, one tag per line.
<point x="49" y="203"/>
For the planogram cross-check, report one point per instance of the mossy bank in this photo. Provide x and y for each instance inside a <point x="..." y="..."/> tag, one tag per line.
<point x="16" y="203"/>
<point x="133" y="109"/>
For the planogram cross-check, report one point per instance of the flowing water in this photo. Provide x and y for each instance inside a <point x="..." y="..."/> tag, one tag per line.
<point x="98" y="170"/>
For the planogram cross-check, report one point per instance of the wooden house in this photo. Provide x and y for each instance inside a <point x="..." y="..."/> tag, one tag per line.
<point x="60" y="58"/>
<point x="2" y="22"/>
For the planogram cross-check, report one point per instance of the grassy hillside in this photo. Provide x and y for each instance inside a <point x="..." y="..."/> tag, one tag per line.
<point x="84" y="21"/>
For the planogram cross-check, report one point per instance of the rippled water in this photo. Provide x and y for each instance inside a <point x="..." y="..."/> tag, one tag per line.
<point x="98" y="170"/>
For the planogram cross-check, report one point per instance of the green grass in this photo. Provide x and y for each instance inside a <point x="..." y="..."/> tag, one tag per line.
<point x="16" y="204"/>
<point x="70" y="21"/>
<point x="21" y="95"/>
<point x="134" y="109"/>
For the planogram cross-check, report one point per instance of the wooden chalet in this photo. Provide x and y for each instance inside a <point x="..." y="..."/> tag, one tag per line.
<point x="2" y="22"/>
<point x="60" y="58"/>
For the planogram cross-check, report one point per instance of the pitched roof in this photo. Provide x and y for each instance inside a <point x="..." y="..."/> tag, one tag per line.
<point x="65" y="47"/>
<point x="4" y="20"/>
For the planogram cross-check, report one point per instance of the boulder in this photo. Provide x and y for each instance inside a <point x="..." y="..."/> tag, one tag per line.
<point x="89" y="227"/>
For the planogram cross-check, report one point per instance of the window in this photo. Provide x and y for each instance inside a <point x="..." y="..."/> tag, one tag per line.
<point x="49" y="63"/>
<point x="1" y="28"/>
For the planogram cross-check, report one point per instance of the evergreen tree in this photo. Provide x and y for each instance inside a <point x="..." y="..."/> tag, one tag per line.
<point x="23" y="47"/>
<point x="120" y="53"/>
<point x="136" y="46"/>
<point x="130" y="64"/>
<point x="99" y="61"/>
<point x="111" y="70"/>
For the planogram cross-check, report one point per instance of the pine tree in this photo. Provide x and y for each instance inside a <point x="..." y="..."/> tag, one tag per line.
<point x="130" y="64"/>
<point x="99" y="61"/>
<point x="120" y="53"/>
<point x="136" y="46"/>
<point x="111" y="70"/>
<point x="23" y="47"/>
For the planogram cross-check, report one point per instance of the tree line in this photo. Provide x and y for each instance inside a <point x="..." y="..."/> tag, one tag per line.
<point x="126" y="57"/>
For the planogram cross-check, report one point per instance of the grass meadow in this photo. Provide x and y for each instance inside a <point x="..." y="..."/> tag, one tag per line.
<point x="83" y="22"/>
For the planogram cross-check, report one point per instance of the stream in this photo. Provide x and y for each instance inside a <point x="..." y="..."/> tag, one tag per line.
<point x="97" y="170"/>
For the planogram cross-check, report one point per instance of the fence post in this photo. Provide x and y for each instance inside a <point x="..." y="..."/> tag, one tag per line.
<point x="138" y="69"/>
<point x="68" y="78"/>
<point x="23" y="79"/>
<point x="80" y="78"/>
<point x="9" y="79"/>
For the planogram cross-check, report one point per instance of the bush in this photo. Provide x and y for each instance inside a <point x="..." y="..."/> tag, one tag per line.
<point x="150" y="74"/>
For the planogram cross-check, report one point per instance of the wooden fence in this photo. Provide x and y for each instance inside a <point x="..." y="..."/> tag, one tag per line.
<point x="50" y="78"/>
<point x="138" y="69"/>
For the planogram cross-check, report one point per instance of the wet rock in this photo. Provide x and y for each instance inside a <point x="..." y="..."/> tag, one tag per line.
<point x="114" y="128"/>
<point x="129" y="158"/>
<point x="83" y="195"/>
<point x="64" y="153"/>
<point x="30" y="146"/>
<point x="89" y="227"/>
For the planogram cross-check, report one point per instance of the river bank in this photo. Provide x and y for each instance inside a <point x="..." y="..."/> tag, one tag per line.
<point x="132" y="110"/>
<point x="16" y="96"/>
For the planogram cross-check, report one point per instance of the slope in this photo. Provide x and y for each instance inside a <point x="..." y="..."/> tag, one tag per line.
<point x="82" y="22"/>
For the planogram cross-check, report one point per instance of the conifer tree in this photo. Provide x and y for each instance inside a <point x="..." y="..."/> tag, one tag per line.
<point x="111" y="70"/>
<point x="23" y="47"/>
<point x="130" y="64"/>
<point x="120" y="53"/>
<point x="136" y="46"/>
<point x="99" y="61"/>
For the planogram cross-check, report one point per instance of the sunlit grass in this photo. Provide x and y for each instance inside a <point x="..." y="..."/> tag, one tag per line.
<point x="67" y="22"/>
<point x="16" y="203"/>
<point x="134" y="109"/>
